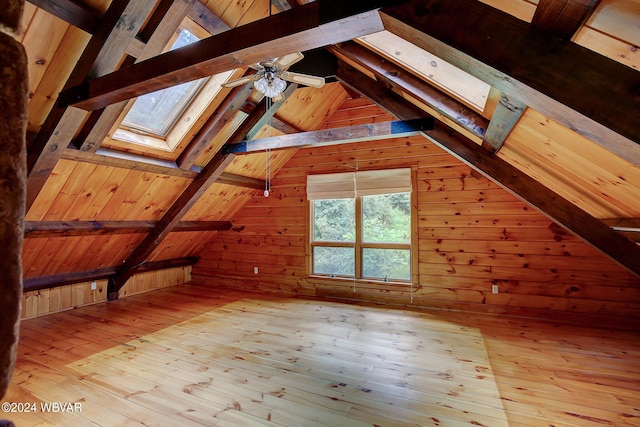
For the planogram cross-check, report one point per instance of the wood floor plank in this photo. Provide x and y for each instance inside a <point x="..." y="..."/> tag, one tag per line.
<point x="204" y="356"/>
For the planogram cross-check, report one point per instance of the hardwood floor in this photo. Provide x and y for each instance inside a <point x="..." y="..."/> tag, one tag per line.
<point x="193" y="356"/>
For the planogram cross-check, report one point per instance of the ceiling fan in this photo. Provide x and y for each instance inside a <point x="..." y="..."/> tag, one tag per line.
<point x="272" y="75"/>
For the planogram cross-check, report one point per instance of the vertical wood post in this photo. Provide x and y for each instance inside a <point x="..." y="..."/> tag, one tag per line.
<point x="13" y="126"/>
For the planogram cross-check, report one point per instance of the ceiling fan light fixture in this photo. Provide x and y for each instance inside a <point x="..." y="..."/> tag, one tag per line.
<point x="270" y="86"/>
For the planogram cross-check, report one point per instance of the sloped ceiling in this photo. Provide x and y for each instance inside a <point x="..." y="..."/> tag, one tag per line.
<point x="560" y="129"/>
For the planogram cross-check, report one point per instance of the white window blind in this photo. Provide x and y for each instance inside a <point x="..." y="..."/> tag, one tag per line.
<point x="349" y="185"/>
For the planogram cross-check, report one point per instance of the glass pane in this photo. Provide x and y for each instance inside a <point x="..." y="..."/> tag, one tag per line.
<point x="156" y="112"/>
<point x="334" y="220"/>
<point x="333" y="261"/>
<point x="387" y="264"/>
<point x="386" y="218"/>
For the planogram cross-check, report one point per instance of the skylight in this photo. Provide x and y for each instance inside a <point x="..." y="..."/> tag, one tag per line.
<point x="155" y="113"/>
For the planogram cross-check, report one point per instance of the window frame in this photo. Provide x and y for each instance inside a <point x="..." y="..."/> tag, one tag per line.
<point x="358" y="245"/>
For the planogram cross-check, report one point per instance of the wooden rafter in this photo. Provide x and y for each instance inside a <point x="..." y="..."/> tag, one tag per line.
<point x="310" y="26"/>
<point x="210" y="173"/>
<point x="581" y="89"/>
<point x="562" y="18"/>
<point x="104" y="51"/>
<point x="42" y="229"/>
<point x="335" y="136"/>
<point x="75" y="12"/>
<point x="46" y="282"/>
<point x="119" y="159"/>
<point x="560" y="210"/>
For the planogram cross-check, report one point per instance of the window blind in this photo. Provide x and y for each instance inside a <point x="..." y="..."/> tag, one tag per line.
<point x="349" y="185"/>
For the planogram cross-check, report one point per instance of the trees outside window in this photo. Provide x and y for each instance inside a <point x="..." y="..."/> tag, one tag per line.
<point x="367" y="237"/>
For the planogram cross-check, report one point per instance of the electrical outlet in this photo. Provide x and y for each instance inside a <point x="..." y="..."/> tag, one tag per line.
<point x="494" y="289"/>
<point x="255" y="270"/>
<point x="94" y="286"/>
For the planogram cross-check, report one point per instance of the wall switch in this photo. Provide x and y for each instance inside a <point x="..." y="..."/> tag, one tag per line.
<point x="494" y="289"/>
<point x="255" y="270"/>
<point x="94" y="286"/>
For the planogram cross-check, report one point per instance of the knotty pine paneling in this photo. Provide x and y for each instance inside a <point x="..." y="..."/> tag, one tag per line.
<point x="593" y="178"/>
<point x="84" y="191"/>
<point x="46" y="301"/>
<point x="471" y="235"/>
<point x="612" y="31"/>
<point x="57" y="255"/>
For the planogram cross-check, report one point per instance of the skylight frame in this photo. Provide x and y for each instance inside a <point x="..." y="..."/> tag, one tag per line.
<point x="123" y="136"/>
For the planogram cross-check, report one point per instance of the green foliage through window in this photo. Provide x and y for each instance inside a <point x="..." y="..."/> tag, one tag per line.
<point x="383" y="240"/>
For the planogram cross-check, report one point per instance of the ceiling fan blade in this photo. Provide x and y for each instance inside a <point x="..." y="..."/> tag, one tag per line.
<point x="238" y="82"/>
<point x="288" y="60"/>
<point x="304" y="79"/>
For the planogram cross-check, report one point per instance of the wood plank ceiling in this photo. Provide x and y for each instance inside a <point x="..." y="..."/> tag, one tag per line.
<point x="560" y="128"/>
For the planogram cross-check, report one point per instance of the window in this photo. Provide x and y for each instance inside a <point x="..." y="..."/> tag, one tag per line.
<point x="361" y="224"/>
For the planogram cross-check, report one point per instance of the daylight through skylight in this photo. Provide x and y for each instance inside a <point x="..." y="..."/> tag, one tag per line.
<point x="157" y="112"/>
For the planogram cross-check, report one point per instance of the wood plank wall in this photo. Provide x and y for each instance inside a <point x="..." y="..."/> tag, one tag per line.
<point x="471" y="235"/>
<point x="46" y="301"/>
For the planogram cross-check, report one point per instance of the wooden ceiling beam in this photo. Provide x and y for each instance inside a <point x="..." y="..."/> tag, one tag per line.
<point x="103" y="53"/>
<point x="466" y="119"/>
<point x="45" y="229"/>
<point x="562" y="18"/>
<point x="74" y="12"/>
<point x="129" y="161"/>
<point x="210" y="173"/>
<point x="586" y="92"/>
<point x="558" y="209"/>
<point x="47" y="282"/>
<point x="309" y="26"/>
<point x="334" y="136"/>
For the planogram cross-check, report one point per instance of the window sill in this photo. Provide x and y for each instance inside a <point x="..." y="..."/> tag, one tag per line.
<point x="350" y="281"/>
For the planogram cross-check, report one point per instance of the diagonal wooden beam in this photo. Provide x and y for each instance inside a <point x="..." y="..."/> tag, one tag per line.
<point x="448" y="109"/>
<point x="104" y="51"/>
<point x="45" y="229"/>
<point x="560" y="210"/>
<point x="377" y="92"/>
<point x="585" y="91"/>
<point x="334" y="136"/>
<point x="504" y="119"/>
<point x="214" y="125"/>
<point x="250" y="127"/>
<point x="562" y="18"/>
<point x="75" y="12"/>
<point x="47" y="282"/>
<point x="310" y="26"/>
<point x="169" y="221"/>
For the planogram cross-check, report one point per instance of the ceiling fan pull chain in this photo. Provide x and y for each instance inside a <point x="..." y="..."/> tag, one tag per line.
<point x="267" y="181"/>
